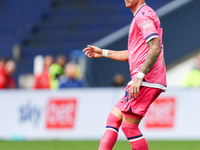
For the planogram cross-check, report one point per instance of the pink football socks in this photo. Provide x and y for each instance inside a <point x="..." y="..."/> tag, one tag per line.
<point x="110" y="136"/>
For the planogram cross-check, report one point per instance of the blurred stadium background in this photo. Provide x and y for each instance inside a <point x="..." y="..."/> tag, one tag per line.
<point x="30" y="28"/>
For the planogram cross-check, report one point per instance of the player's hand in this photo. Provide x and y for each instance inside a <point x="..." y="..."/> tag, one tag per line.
<point x="135" y="87"/>
<point x="93" y="51"/>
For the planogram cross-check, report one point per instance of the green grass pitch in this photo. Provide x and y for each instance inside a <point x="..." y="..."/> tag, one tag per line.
<point x="93" y="145"/>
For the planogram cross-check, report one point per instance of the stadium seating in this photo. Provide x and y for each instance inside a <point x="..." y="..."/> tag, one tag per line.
<point x="58" y="26"/>
<point x="17" y="21"/>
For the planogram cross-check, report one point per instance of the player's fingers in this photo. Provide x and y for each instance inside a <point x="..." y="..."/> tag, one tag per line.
<point x="87" y="52"/>
<point x="86" y="49"/>
<point x="138" y="91"/>
<point x="131" y="95"/>
<point x="131" y="92"/>
<point x="90" y="55"/>
<point x="90" y="46"/>
<point x="135" y="93"/>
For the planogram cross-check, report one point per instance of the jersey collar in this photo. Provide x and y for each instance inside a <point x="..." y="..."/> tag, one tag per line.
<point x="138" y="9"/>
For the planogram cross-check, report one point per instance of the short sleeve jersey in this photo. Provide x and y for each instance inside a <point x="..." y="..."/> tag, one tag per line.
<point x="144" y="27"/>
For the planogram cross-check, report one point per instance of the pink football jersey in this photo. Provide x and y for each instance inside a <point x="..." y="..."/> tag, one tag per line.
<point x="144" y="27"/>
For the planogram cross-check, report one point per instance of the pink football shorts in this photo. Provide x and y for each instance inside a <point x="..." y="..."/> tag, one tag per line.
<point x="137" y="107"/>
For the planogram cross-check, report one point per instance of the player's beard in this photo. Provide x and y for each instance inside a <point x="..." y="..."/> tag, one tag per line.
<point x="130" y="3"/>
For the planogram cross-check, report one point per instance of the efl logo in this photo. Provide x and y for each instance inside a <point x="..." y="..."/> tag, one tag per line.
<point x="161" y="114"/>
<point x="61" y="113"/>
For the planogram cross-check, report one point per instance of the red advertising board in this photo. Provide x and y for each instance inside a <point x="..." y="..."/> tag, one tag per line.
<point x="161" y="113"/>
<point x="60" y="113"/>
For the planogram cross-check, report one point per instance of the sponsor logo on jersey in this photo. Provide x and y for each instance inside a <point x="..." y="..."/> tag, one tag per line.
<point x="146" y="24"/>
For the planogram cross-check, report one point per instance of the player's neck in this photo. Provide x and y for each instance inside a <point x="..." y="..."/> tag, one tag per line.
<point x="136" y="7"/>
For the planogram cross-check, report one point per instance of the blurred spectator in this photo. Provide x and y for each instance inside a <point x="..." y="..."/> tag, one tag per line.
<point x="3" y="61"/>
<point x="118" y="81"/>
<point x="6" y="79"/>
<point x="56" y="70"/>
<point x="61" y="60"/>
<point x="68" y="80"/>
<point x="42" y="81"/>
<point x="192" y="78"/>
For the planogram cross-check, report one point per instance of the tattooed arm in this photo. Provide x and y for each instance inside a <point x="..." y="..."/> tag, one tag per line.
<point x="95" y="52"/>
<point x="152" y="56"/>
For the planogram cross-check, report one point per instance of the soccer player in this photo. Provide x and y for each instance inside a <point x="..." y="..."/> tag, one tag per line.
<point x="148" y="75"/>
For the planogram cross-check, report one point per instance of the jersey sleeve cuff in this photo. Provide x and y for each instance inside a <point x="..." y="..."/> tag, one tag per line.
<point x="151" y="36"/>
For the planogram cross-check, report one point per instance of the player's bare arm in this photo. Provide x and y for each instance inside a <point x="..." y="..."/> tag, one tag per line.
<point x="152" y="56"/>
<point x="96" y="52"/>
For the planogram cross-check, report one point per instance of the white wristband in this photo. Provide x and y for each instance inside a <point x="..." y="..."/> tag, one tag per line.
<point x="104" y="52"/>
<point x="140" y="75"/>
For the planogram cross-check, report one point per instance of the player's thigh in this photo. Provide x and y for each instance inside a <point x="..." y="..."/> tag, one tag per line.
<point x="131" y="120"/>
<point x="115" y="111"/>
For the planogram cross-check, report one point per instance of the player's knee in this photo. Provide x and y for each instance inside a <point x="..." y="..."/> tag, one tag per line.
<point x="117" y="113"/>
<point x="114" y="121"/>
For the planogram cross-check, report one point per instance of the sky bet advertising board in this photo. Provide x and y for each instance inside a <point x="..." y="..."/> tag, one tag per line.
<point x="81" y="114"/>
